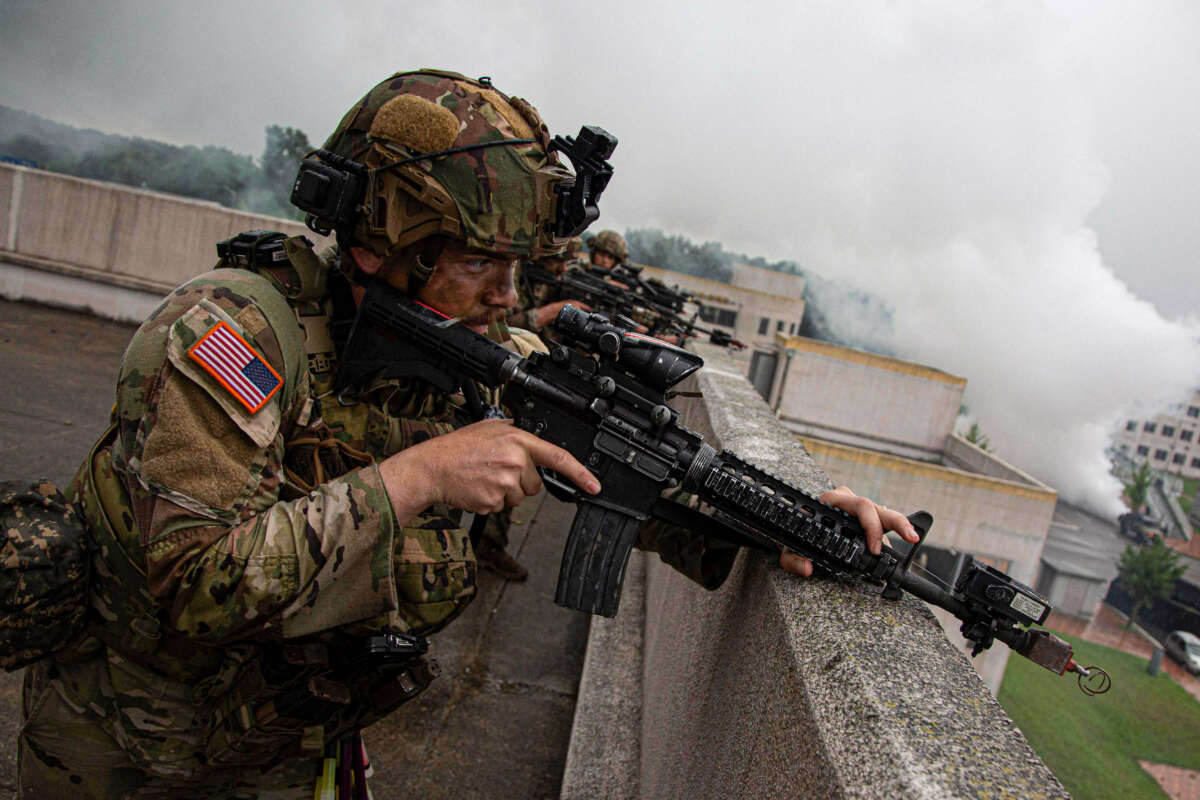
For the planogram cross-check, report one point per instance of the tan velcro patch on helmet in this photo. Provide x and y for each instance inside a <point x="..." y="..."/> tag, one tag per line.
<point x="416" y="123"/>
<point x="531" y="115"/>
<point x="512" y="116"/>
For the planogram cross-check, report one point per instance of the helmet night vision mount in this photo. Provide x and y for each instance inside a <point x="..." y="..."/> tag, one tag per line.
<point x="332" y="189"/>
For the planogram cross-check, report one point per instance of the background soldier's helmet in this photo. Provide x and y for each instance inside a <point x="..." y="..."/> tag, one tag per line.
<point x="610" y="242"/>
<point x="495" y="197"/>
<point x="574" y="248"/>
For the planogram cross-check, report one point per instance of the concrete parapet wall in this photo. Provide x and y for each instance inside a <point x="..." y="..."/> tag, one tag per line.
<point x="1002" y="519"/>
<point x="768" y="280"/>
<point x="774" y="686"/>
<point x="108" y="235"/>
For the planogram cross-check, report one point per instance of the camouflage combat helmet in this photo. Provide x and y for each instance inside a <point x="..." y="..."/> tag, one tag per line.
<point x="610" y="242"/>
<point x="574" y="248"/>
<point x="473" y="189"/>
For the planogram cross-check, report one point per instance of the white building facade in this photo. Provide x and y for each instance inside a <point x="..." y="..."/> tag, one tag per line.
<point x="1168" y="441"/>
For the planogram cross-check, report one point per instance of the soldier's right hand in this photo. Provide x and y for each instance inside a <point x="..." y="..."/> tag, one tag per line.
<point x="480" y="468"/>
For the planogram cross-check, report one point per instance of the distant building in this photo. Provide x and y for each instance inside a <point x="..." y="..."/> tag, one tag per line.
<point x="1168" y="441"/>
<point x="1079" y="561"/>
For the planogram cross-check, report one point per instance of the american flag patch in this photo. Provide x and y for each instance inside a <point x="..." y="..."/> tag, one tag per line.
<point x="237" y="366"/>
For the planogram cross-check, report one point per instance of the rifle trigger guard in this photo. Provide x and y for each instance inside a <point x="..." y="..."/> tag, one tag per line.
<point x="563" y="490"/>
<point x="558" y="488"/>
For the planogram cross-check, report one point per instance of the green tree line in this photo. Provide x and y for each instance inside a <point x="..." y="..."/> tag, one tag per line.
<point x="216" y="174"/>
<point x="263" y="186"/>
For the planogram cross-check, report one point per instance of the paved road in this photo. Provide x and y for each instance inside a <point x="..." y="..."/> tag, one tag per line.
<point x="496" y="724"/>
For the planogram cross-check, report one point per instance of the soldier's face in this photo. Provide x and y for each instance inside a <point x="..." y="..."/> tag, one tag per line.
<point x="603" y="260"/>
<point x="473" y="285"/>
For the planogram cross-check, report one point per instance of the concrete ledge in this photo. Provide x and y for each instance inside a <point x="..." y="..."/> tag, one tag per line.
<point x="608" y="713"/>
<point x="108" y="249"/>
<point x="61" y="288"/>
<point x="778" y="687"/>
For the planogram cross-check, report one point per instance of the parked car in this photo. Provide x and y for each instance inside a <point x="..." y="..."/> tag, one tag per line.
<point x="1184" y="647"/>
<point x="1142" y="529"/>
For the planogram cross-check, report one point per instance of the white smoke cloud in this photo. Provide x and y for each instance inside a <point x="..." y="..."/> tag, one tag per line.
<point x="947" y="156"/>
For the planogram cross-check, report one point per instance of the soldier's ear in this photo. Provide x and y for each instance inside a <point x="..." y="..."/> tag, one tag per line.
<point x="366" y="260"/>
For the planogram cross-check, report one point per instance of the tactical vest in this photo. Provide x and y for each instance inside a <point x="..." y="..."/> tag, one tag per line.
<point x="274" y="700"/>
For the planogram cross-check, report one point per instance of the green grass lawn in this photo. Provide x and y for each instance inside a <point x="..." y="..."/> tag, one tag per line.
<point x="1189" y="492"/>
<point x="1093" y="744"/>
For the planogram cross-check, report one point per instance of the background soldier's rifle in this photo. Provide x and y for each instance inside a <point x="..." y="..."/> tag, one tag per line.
<point x="611" y="300"/>
<point x="669" y="302"/>
<point x="601" y="394"/>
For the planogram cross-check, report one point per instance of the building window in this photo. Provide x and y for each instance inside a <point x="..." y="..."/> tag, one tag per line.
<point x="1124" y="448"/>
<point x="1160" y="455"/>
<point x="763" y="325"/>
<point x="1196" y="463"/>
<point x="1168" y="430"/>
<point x="727" y="317"/>
<point x="1143" y="450"/>
<point x="1131" y="426"/>
<point x="719" y="316"/>
<point x="1178" y="458"/>
<point x="779" y="326"/>
<point x="1149" y="427"/>
<point x="792" y="329"/>
<point x="1185" y="436"/>
<point x="1193" y="411"/>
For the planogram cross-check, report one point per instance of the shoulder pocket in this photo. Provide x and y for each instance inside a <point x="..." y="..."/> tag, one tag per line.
<point x="207" y="346"/>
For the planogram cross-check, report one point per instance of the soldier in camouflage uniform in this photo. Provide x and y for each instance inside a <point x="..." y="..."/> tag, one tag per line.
<point x="252" y="528"/>
<point x="536" y="309"/>
<point x="236" y="513"/>
<point x="607" y="249"/>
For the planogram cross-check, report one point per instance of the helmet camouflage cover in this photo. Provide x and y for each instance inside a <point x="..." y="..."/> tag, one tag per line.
<point x="610" y="242"/>
<point x="499" y="199"/>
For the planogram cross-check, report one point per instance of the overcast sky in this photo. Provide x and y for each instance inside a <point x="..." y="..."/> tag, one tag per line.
<point x="1020" y="180"/>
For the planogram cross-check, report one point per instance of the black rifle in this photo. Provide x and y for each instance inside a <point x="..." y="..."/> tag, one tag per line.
<point x="593" y="288"/>
<point x="601" y="394"/>
<point x="668" y="302"/>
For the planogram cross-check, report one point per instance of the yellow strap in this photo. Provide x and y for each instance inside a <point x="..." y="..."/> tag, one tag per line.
<point x="326" y="787"/>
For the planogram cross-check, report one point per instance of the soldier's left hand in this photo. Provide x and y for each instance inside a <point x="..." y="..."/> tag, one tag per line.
<point x="874" y="518"/>
<point x="548" y="313"/>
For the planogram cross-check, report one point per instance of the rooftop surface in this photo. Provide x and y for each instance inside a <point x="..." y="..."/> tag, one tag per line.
<point x="1081" y="543"/>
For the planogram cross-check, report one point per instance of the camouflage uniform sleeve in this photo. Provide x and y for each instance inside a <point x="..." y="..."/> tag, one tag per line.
<point x="223" y="553"/>
<point x="704" y="559"/>
<point x="302" y="566"/>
